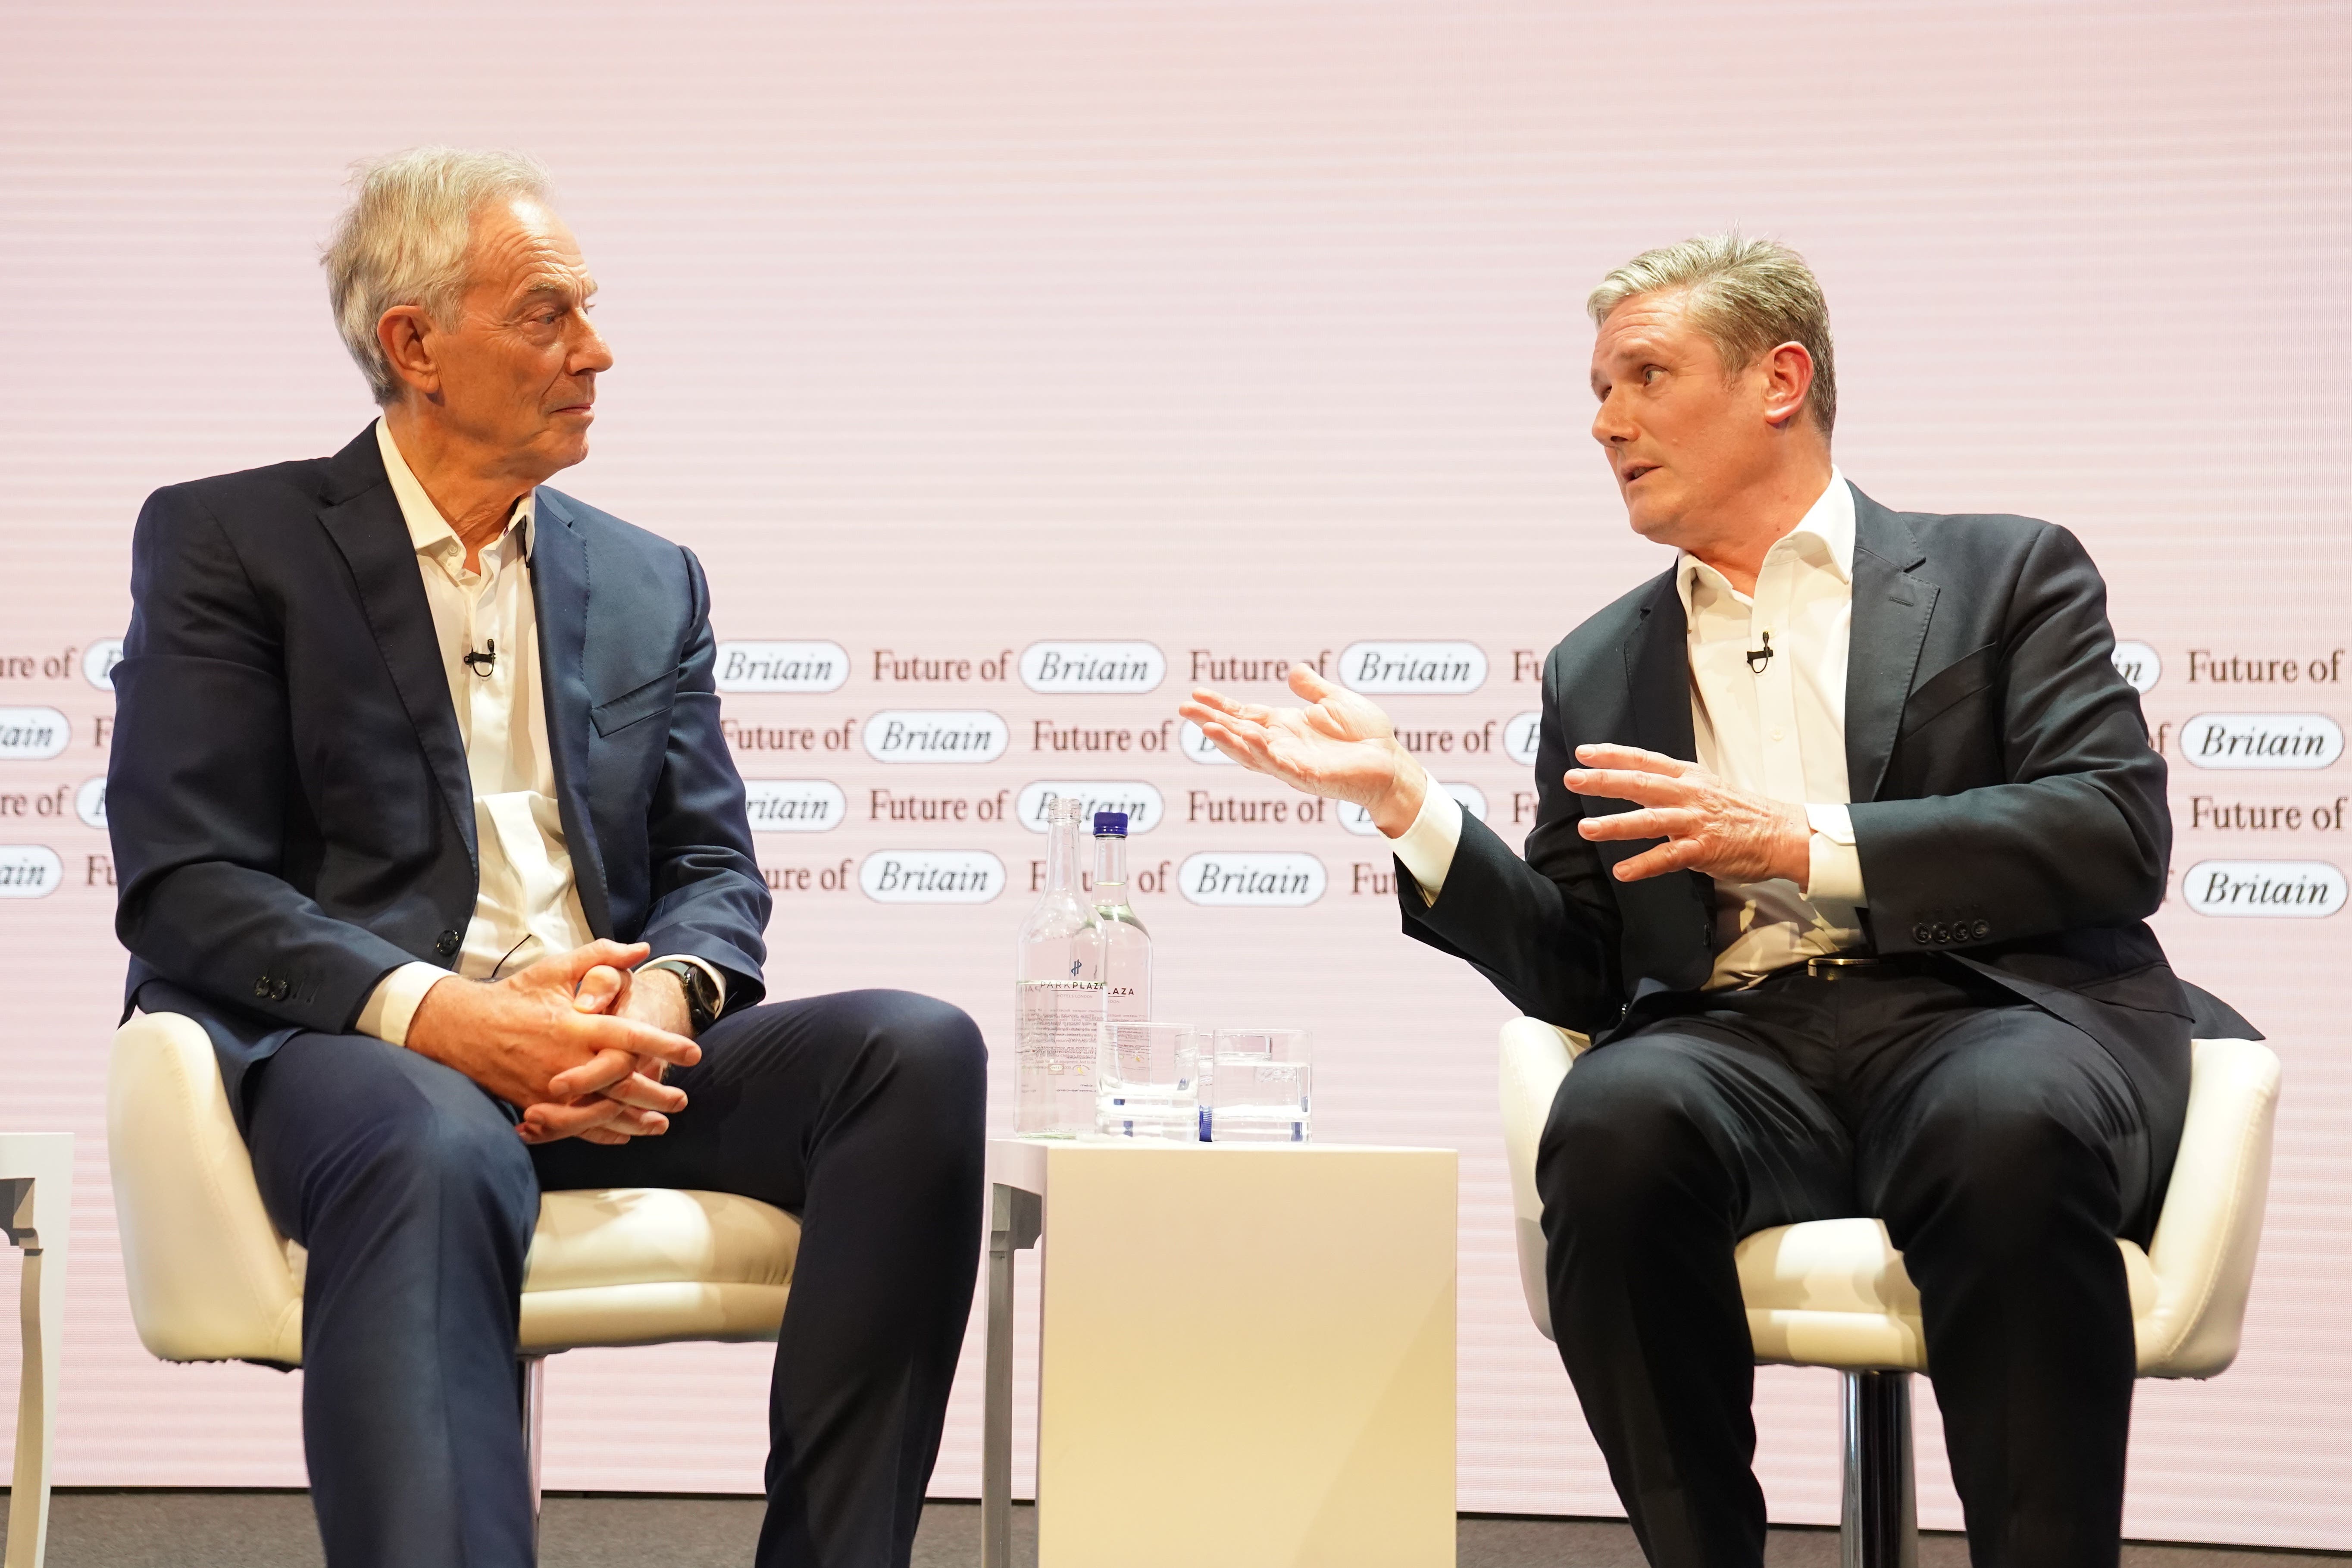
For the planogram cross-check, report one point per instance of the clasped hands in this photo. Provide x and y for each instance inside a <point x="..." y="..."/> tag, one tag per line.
<point x="1342" y="746"/>
<point x="578" y="1041"/>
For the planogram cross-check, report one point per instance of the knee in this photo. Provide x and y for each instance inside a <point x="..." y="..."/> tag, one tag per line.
<point x="1621" y="1136"/>
<point x="933" y="1055"/>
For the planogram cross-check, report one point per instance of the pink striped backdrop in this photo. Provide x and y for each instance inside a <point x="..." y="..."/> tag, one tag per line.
<point x="1245" y="328"/>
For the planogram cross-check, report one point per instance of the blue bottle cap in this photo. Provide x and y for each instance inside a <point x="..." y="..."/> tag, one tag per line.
<point x="1111" y="825"/>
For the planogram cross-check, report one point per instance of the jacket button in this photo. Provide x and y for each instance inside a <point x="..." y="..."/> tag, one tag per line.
<point x="261" y="988"/>
<point x="1981" y="929"/>
<point x="281" y="989"/>
<point x="445" y="943"/>
<point x="1942" y="933"/>
<point x="1923" y="933"/>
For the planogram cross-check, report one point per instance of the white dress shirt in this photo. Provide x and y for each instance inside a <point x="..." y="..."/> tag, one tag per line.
<point x="1779" y="732"/>
<point x="528" y="904"/>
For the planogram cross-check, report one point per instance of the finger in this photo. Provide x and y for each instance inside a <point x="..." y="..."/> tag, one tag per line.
<point x="1621" y="825"/>
<point x="598" y="1072"/>
<point x="1606" y="754"/>
<point x="604" y="1135"/>
<point x="603" y="1032"/>
<point x="1673" y="855"/>
<point x="1205" y="703"/>
<point x="550" y="1122"/>
<point x="646" y="1094"/>
<point x="1311" y="685"/>
<point x="1619" y="784"/>
<point x="599" y="989"/>
<point x="1248" y="749"/>
<point x="617" y="955"/>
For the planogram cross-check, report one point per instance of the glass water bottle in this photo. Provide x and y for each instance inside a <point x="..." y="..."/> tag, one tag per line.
<point x="1058" y="994"/>
<point x="1126" y="945"/>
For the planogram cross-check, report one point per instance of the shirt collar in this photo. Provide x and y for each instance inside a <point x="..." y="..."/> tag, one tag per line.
<point x="1825" y="530"/>
<point x="428" y="532"/>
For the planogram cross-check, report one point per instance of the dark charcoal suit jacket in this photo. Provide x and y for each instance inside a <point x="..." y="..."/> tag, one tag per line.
<point x="288" y="793"/>
<point x="2006" y="808"/>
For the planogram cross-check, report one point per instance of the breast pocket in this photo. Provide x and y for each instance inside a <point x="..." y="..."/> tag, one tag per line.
<point x="634" y="706"/>
<point x="1965" y="682"/>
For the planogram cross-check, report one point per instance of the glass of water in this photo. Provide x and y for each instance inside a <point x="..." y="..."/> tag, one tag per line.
<point x="1259" y="1088"/>
<point x="1148" y="1080"/>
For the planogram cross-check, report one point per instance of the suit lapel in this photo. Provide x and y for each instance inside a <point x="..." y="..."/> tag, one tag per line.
<point x="559" y="592"/>
<point x="1657" y="673"/>
<point x="362" y="517"/>
<point x="1891" y="610"/>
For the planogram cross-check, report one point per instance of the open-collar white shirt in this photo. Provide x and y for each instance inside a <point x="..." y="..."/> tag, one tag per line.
<point x="528" y="903"/>
<point x="1775" y="727"/>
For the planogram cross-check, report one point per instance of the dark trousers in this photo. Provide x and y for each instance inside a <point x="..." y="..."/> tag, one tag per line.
<point x="2005" y="1151"/>
<point x="862" y="1113"/>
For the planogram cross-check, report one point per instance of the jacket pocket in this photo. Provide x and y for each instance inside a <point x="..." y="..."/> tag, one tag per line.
<point x="634" y="706"/>
<point x="1955" y="683"/>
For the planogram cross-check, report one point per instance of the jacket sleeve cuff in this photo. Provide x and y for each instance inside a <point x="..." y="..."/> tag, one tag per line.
<point x="393" y="1004"/>
<point x="717" y="981"/>
<point x="1426" y="849"/>
<point x="1835" y="865"/>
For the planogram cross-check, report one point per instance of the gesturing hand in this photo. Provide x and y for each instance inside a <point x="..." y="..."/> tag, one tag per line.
<point x="1708" y="825"/>
<point x="1341" y="747"/>
<point x="517" y="1037"/>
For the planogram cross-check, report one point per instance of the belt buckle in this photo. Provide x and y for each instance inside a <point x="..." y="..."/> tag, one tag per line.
<point x="1828" y="967"/>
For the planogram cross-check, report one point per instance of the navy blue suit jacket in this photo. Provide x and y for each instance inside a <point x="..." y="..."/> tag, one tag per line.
<point x="288" y="793"/>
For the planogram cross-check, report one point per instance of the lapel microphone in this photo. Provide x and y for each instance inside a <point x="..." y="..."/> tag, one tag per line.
<point x="481" y="664"/>
<point x="1758" y="658"/>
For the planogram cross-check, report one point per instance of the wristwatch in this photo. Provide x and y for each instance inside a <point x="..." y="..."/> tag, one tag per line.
<point x="701" y="994"/>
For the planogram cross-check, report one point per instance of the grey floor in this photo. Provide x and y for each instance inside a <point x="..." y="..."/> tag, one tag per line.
<point x="273" y="1529"/>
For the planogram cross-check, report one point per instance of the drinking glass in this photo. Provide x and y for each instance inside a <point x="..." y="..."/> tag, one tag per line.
<point x="1148" y="1081"/>
<point x="1259" y="1087"/>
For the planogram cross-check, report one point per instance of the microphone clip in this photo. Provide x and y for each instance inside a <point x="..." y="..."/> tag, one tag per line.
<point x="1759" y="657"/>
<point x="481" y="664"/>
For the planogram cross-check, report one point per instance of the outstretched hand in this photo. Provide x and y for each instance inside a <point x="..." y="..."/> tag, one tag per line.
<point x="548" y="1041"/>
<point x="1340" y="746"/>
<point x="1708" y="825"/>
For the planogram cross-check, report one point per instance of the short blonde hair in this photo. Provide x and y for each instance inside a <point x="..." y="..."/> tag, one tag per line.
<point x="1747" y="296"/>
<point x="404" y="237"/>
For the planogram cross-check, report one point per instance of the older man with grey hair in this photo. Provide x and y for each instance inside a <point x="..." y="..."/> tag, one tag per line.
<point x="1845" y="835"/>
<point x="420" y="805"/>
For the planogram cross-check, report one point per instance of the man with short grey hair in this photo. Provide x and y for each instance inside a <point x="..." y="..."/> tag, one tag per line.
<point x="1846" y="886"/>
<point x="420" y="807"/>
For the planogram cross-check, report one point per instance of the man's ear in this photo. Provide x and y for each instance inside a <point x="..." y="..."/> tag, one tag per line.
<point x="1788" y="377"/>
<point x="402" y="331"/>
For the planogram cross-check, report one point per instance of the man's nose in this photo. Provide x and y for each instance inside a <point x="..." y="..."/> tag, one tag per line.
<point x="1609" y="425"/>
<point x="591" y="353"/>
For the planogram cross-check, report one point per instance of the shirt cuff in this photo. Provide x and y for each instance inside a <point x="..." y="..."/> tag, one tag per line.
<point x="1427" y="847"/>
<point x="717" y="981"/>
<point x="1834" y="866"/>
<point x="393" y="1004"/>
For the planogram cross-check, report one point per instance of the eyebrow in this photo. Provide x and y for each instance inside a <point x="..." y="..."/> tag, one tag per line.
<point x="580" y="287"/>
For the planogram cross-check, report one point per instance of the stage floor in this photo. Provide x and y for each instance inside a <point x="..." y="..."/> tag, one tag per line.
<point x="273" y="1529"/>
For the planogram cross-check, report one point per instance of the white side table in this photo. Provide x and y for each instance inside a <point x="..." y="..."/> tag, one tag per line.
<point x="36" y="1191"/>
<point x="1246" y="1356"/>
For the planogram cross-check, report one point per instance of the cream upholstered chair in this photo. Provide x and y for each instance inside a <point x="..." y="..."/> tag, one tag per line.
<point x="1833" y="1292"/>
<point x="210" y="1279"/>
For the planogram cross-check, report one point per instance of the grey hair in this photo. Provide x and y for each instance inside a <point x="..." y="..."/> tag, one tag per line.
<point x="404" y="240"/>
<point x="1747" y="296"/>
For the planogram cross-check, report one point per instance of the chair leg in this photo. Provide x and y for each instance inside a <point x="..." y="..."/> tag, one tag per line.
<point x="1880" y="1527"/>
<point x="532" y="1385"/>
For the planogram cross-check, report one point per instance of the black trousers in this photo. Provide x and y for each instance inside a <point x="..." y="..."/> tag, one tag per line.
<point x="2005" y="1151"/>
<point x="862" y="1113"/>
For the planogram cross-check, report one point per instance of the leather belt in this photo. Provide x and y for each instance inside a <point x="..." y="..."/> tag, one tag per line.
<point x="1838" y="967"/>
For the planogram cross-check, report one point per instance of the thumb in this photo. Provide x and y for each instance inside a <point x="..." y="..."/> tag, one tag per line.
<point x="576" y="963"/>
<point x="1309" y="685"/>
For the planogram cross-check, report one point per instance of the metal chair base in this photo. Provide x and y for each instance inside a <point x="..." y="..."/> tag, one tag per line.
<point x="1880" y="1528"/>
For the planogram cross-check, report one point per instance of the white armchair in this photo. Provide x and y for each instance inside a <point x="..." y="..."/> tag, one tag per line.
<point x="212" y="1279"/>
<point x="1835" y="1293"/>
